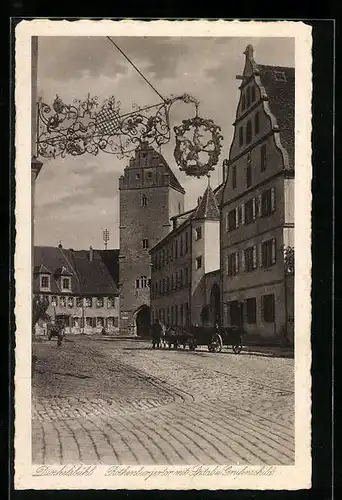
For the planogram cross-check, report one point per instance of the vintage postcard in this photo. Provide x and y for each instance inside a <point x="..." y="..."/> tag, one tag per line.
<point x="162" y="264"/>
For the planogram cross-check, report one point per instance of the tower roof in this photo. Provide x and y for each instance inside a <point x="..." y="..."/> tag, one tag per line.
<point x="207" y="208"/>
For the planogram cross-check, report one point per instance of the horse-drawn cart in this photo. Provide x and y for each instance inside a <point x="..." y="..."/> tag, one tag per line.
<point x="209" y="336"/>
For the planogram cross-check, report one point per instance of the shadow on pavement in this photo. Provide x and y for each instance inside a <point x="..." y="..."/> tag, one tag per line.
<point x="244" y="352"/>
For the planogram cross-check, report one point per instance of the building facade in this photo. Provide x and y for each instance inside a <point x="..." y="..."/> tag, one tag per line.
<point x="185" y="267"/>
<point x="150" y="195"/>
<point x="80" y="285"/>
<point x="257" y="206"/>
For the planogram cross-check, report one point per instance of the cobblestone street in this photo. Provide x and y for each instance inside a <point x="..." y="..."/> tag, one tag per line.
<point x="114" y="401"/>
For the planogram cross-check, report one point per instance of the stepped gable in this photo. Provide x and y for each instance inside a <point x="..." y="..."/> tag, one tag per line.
<point x="279" y="83"/>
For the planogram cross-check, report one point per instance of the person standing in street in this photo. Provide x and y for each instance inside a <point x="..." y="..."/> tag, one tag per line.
<point x="156" y="334"/>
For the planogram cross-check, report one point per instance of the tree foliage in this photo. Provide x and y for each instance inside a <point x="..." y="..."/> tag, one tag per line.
<point x="39" y="308"/>
<point x="289" y="260"/>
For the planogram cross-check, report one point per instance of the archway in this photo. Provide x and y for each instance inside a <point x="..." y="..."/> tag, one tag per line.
<point x="143" y="321"/>
<point x="215" y="306"/>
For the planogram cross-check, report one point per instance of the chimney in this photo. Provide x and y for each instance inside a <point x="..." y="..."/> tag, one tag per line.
<point x="91" y="254"/>
<point x="60" y="245"/>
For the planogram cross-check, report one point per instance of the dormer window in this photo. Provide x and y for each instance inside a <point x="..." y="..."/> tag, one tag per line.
<point x="279" y="76"/>
<point x="66" y="284"/>
<point x="144" y="200"/>
<point x="44" y="282"/>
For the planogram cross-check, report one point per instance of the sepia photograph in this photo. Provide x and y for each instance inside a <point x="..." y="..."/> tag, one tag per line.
<point x="163" y="255"/>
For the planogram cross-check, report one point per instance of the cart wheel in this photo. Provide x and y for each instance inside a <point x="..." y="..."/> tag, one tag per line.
<point x="237" y="349"/>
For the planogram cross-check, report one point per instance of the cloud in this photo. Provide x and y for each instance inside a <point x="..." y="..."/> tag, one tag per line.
<point x="78" y="196"/>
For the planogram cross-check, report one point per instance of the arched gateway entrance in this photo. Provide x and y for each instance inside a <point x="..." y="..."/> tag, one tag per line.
<point x="142" y="321"/>
<point x="215" y="308"/>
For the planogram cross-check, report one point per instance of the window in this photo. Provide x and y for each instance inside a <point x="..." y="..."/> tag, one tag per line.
<point x="172" y="283"/>
<point x="253" y="93"/>
<point x="89" y="302"/>
<point x="137" y="176"/>
<point x="239" y="211"/>
<point x="267" y="308"/>
<point x="263" y="158"/>
<point x="268" y="203"/>
<point x="76" y="322"/>
<point x="71" y="302"/>
<point x="149" y="282"/>
<point x="233" y="264"/>
<point x="251" y="310"/>
<point x="176" y="315"/>
<point x="240" y="136"/>
<point x="243" y="102"/>
<point x="279" y="76"/>
<point x="250" y="258"/>
<point x="186" y="276"/>
<point x="176" y="249"/>
<point x="149" y="175"/>
<point x="100" y="322"/>
<point x="137" y="283"/>
<point x="110" y="302"/>
<point x="256" y="123"/>
<point x="66" y="283"/>
<point x="144" y="200"/>
<point x="235" y="312"/>
<point x="99" y="302"/>
<point x="62" y="302"/>
<point x="45" y="282"/>
<point x="181" y="278"/>
<point x="268" y="253"/>
<point x="144" y="281"/>
<point x="248" y="132"/>
<point x="79" y="302"/>
<point x="145" y="243"/>
<point x="198" y="233"/>
<point x="186" y="307"/>
<point x="186" y="242"/>
<point x="231" y="220"/>
<point x="181" y="312"/>
<point x="249" y="211"/>
<point x="234" y="177"/>
<point x="198" y="262"/>
<point x="248" y="175"/>
<point x="54" y="301"/>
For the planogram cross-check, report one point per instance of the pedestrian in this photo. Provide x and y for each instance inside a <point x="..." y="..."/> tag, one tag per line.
<point x="156" y="333"/>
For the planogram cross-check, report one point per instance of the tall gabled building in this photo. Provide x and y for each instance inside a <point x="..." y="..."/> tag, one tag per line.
<point x="185" y="267"/>
<point x="257" y="209"/>
<point x="150" y="194"/>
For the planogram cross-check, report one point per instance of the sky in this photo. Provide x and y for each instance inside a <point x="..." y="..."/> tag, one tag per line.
<point x="78" y="197"/>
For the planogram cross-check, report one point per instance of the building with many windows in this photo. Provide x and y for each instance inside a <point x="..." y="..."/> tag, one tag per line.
<point x="79" y="284"/>
<point x="257" y="207"/>
<point x="150" y="194"/>
<point x="185" y="267"/>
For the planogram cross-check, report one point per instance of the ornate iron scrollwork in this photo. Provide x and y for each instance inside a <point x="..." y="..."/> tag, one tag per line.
<point x="198" y="146"/>
<point x="85" y="127"/>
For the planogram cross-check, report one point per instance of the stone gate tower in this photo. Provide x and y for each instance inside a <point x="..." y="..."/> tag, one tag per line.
<point x="150" y="194"/>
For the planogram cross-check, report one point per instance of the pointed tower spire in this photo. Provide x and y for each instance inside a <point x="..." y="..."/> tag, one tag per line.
<point x="207" y="207"/>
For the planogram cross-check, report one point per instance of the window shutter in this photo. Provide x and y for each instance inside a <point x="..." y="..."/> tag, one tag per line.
<point x="273" y="201"/>
<point x="260" y="254"/>
<point x="258" y="206"/>
<point x="237" y="261"/>
<point x="254" y="208"/>
<point x="255" y="257"/>
<point x="262" y="307"/>
<point x="274" y="251"/>
<point x="243" y="214"/>
<point x="236" y="217"/>
<point x="242" y="261"/>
